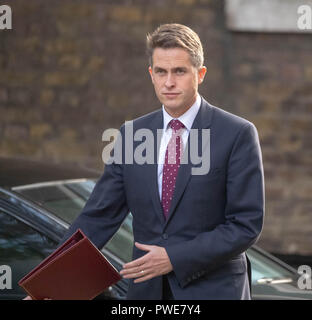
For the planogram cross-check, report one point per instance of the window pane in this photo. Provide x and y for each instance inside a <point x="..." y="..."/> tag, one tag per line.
<point x="64" y="199"/>
<point x="263" y="267"/>
<point x="21" y="248"/>
<point x="121" y="243"/>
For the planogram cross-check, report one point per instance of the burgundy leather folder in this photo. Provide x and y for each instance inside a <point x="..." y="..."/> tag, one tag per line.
<point x="76" y="270"/>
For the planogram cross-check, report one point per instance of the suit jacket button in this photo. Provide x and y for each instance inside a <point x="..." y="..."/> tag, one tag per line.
<point x="165" y="236"/>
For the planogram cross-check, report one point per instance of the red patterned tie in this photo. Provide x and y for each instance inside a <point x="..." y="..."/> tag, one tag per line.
<point x="172" y="164"/>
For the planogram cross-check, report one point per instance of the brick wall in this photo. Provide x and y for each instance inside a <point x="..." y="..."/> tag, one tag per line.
<point x="69" y="69"/>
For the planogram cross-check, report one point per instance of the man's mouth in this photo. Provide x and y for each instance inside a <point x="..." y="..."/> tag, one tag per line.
<point x="171" y="94"/>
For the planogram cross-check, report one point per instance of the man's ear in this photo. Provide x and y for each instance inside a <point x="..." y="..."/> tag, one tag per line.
<point x="150" y="70"/>
<point x="201" y="74"/>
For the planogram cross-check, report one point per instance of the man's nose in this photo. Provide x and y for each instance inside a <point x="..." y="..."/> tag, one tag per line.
<point x="170" y="82"/>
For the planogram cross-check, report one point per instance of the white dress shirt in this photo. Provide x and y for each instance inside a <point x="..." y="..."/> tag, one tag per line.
<point x="187" y="119"/>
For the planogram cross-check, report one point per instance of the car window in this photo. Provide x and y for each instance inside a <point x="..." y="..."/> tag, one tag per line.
<point x="122" y="242"/>
<point x="21" y="248"/>
<point x="263" y="267"/>
<point x="66" y="199"/>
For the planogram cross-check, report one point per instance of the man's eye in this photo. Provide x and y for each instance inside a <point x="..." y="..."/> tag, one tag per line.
<point x="160" y="71"/>
<point x="180" y="71"/>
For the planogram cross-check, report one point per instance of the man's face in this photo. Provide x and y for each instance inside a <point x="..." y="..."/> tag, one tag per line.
<point x="175" y="79"/>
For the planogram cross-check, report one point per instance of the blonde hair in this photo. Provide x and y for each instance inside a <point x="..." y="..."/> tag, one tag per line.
<point x="176" y="35"/>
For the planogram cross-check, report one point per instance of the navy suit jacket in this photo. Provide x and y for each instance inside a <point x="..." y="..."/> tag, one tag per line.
<point x="213" y="217"/>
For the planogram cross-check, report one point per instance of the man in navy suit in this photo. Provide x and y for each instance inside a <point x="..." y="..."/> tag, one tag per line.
<point x="191" y="229"/>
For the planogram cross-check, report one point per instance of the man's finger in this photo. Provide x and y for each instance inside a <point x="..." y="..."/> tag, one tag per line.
<point x="144" y="247"/>
<point x="139" y="261"/>
<point x="135" y="263"/>
<point x="133" y="270"/>
<point x="138" y="274"/>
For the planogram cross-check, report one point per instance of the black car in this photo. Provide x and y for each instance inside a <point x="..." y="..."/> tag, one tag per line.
<point x="39" y="201"/>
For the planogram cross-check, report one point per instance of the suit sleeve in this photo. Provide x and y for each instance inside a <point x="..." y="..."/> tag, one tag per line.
<point x="105" y="209"/>
<point x="244" y="212"/>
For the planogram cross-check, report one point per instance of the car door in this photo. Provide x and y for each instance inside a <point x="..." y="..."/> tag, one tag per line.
<point x="21" y="249"/>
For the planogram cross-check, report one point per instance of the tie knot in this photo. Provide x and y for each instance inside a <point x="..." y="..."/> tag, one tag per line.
<point x="176" y="125"/>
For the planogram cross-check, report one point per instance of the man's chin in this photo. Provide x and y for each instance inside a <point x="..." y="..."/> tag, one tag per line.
<point x="175" y="110"/>
<point x="172" y="106"/>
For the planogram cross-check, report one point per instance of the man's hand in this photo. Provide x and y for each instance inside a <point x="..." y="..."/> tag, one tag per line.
<point x="155" y="263"/>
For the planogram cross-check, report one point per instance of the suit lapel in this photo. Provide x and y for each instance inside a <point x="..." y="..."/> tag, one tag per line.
<point x="152" y="169"/>
<point x="201" y="121"/>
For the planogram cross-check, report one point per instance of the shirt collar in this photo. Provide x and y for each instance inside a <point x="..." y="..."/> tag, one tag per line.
<point x="187" y="118"/>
